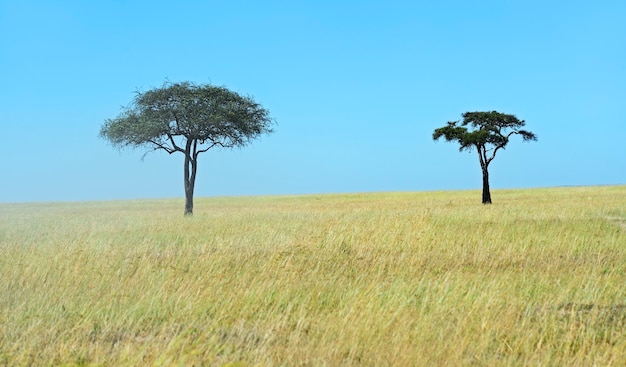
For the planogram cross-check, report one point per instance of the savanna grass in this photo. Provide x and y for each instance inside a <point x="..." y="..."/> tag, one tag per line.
<point x="362" y="279"/>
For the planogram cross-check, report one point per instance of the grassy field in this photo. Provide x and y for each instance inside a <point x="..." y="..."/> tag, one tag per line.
<point x="403" y="279"/>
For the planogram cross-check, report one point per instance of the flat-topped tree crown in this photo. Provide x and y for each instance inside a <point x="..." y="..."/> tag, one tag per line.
<point x="190" y="119"/>
<point x="488" y="132"/>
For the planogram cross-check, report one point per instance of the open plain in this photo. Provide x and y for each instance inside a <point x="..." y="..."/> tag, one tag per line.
<point x="402" y="279"/>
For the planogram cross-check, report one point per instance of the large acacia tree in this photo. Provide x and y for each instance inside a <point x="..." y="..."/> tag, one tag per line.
<point x="189" y="119"/>
<point x="488" y="132"/>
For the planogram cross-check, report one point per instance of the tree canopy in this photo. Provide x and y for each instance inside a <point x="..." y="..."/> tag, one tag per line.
<point x="190" y="119"/>
<point x="204" y="114"/>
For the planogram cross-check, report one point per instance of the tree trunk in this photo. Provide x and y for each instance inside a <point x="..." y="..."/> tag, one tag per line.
<point x="188" y="202"/>
<point x="188" y="189"/>
<point x="484" y="164"/>
<point x="190" y="178"/>
<point x="486" y="192"/>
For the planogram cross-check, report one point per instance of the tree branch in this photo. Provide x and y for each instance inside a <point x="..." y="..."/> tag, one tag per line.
<point x="501" y="145"/>
<point x="176" y="147"/>
<point x="482" y="155"/>
<point x="152" y="150"/>
<point x="160" y="145"/>
<point x="215" y="143"/>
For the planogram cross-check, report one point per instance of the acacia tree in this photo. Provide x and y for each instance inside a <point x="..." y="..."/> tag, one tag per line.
<point x="488" y="132"/>
<point x="189" y="119"/>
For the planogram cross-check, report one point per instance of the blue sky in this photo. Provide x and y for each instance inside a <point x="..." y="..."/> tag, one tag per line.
<point x="356" y="89"/>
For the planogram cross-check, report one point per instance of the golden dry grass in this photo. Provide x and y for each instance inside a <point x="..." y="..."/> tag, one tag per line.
<point x="397" y="279"/>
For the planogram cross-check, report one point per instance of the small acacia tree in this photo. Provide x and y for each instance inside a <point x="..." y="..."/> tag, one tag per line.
<point x="488" y="133"/>
<point x="189" y="119"/>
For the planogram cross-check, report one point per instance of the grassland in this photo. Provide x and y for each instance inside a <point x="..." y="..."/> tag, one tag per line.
<point x="404" y="279"/>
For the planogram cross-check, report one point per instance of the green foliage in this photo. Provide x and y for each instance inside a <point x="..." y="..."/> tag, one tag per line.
<point x="200" y="114"/>
<point x="488" y="129"/>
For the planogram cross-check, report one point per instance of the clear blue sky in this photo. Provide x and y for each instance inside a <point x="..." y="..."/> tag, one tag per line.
<point x="356" y="88"/>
